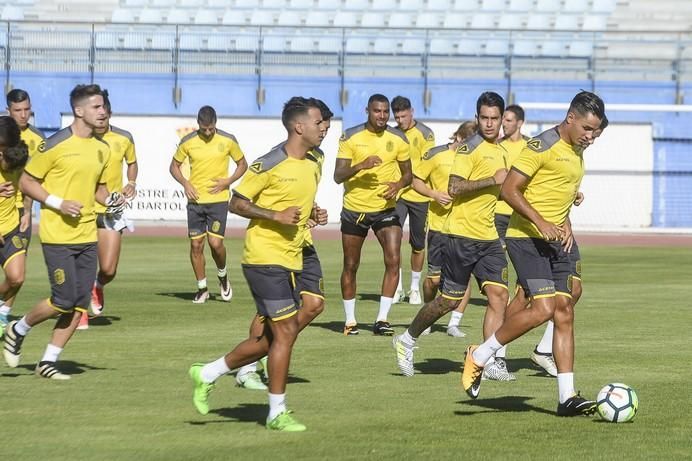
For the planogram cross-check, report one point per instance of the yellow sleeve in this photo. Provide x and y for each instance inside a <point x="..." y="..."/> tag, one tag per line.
<point x="252" y="184"/>
<point x="423" y="169"/>
<point x="528" y="161"/>
<point x="345" y="149"/>
<point x="40" y="164"/>
<point x="235" y="152"/>
<point x="181" y="153"/>
<point x="428" y="144"/>
<point x="404" y="152"/>
<point x="463" y="165"/>
<point x="130" y="155"/>
<point x="102" y="177"/>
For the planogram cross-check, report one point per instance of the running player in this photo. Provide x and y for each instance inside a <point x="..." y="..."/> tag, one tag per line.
<point x="541" y="188"/>
<point x="209" y="151"/>
<point x="374" y="164"/>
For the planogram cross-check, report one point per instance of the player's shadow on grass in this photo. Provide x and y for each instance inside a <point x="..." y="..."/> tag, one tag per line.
<point x="331" y="326"/>
<point x="242" y="413"/>
<point x="188" y="295"/>
<point x="369" y="297"/>
<point x="526" y="364"/>
<point x="504" y="404"/>
<point x="68" y="367"/>
<point x="437" y="366"/>
<point x="103" y="320"/>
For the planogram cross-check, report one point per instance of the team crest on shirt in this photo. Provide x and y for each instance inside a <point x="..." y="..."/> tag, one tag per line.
<point x="534" y="144"/>
<point x="431" y="137"/>
<point x="59" y="276"/>
<point x="17" y="242"/>
<point x="505" y="276"/>
<point x="41" y="147"/>
<point x="256" y="167"/>
<point x="343" y="137"/>
<point x="215" y="226"/>
<point x="389" y="146"/>
<point x="463" y="149"/>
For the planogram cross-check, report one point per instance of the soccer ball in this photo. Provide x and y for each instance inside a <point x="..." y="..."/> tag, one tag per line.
<point x="617" y="403"/>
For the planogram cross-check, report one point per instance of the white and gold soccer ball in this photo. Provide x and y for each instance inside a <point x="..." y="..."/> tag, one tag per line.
<point x="617" y="403"/>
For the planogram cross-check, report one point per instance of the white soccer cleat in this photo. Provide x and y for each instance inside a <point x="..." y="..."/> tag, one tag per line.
<point x="226" y="291"/>
<point x="404" y="355"/>
<point x="398" y="296"/>
<point x="497" y="371"/>
<point x="455" y="332"/>
<point x="414" y="297"/>
<point x="427" y="331"/>
<point x="544" y="360"/>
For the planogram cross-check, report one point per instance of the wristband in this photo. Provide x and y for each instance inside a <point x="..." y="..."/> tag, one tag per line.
<point x="131" y="183"/>
<point x="54" y="202"/>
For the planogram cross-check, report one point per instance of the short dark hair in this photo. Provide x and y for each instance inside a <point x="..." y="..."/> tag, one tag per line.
<point x="16" y="156"/>
<point x="604" y="123"/>
<point x="295" y="107"/>
<point x="327" y="114"/>
<point x="17" y="95"/>
<point x="516" y="110"/>
<point x="206" y="115"/>
<point x="106" y="101"/>
<point x="81" y="92"/>
<point x="586" y="102"/>
<point x="400" y="103"/>
<point x="10" y="135"/>
<point x="377" y="97"/>
<point x="490" y="99"/>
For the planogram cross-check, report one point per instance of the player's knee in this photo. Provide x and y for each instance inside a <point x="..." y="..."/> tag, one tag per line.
<point x="448" y="304"/>
<point x="197" y="245"/>
<point x="351" y="266"/>
<point x="563" y="310"/>
<point x="313" y="306"/>
<point x="15" y="281"/>
<point x="576" y="292"/>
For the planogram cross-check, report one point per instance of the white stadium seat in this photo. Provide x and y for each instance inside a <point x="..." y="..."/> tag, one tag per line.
<point x="553" y="47"/>
<point x="469" y="46"/>
<point x="233" y="18"/>
<point x="301" y="4"/>
<point x="384" y="5"/>
<point x="262" y="18"/>
<point x="345" y="19"/>
<point x="497" y="46"/>
<point x="330" y="5"/>
<point x="454" y="21"/>
<point x="162" y="3"/>
<point x="538" y="22"/>
<point x="356" y="5"/>
<point x="482" y="21"/>
<point x="150" y="15"/>
<point x="290" y="18"/>
<point x="206" y="17"/>
<point x="177" y="16"/>
<point x="595" y="22"/>
<point x="191" y="3"/>
<point x="576" y="6"/>
<point x="438" y="5"/>
<point x="273" y="4"/>
<point x="372" y="19"/>
<point x="218" y="42"/>
<point x="274" y="43"/>
<point x="122" y="15"/>
<point x="441" y="46"/>
<point x="410" y="5"/>
<point x="428" y="20"/>
<point x="317" y="18"/>
<point x="301" y="44"/>
<point x="492" y="5"/>
<point x="357" y="45"/>
<point x="247" y="4"/>
<point x="524" y="47"/>
<point x="567" y="22"/>
<point x="330" y="43"/>
<point x="580" y="49"/>
<point x="603" y="6"/>
<point x="510" y="22"/>
<point x="548" y="6"/>
<point x="520" y="5"/>
<point x="413" y="46"/>
<point x="403" y="20"/>
<point x="386" y="45"/>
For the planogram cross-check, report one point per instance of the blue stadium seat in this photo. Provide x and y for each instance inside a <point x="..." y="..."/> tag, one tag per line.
<point x="233" y="18"/>
<point x="262" y="18"/>
<point x="317" y="18"/>
<point x="538" y="21"/>
<point x="567" y="22"/>
<point x="122" y="15"/>
<point x="204" y="16"/>
<point x="510" y="22"/>
<point x="345" y="19"/>
<point x="441" y="46"/>
<point x="372" y="19"/>
<point x="290" y="18"/>
<point x="428" y="20"/>
<point x="548" y="6"/>
<point x="454" y="21"/>
<point x="595" y="22"/>
<point x="492" y="5"/>
<point x="482" y="21"/>
<point x="178" y="16"/>
<point x="150" y="16"/>
<point x="576" y="6"/>
<point x="520" y="5"/>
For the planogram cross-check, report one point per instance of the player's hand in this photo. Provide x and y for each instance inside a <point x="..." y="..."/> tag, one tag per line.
<point x="71" y="208"/>
<point x="578" y="199"/>
<point x="319" y="215"/>
<point x="7" y="190"/>
<point x="500" y="176"/>
<point x="567" y="236"/>
<point x="311" y="223"/>
<point x="220" y="184"/>
<point x="443" y="198"/>
<point x="392" y="190"/>
<point x="289" y="216"/>
<point x="370" y="162"/>
<point x="549" y="231"/>
<point x="25" y="221"/>
<point x="129" y="191"/>
<point x="190" y="191"/>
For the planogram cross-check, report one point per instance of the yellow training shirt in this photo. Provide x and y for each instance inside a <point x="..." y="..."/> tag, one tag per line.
<point x="555" y="170"/>
<point x="276" y="181"/>
<point x="70" y="168"/>
<point x="9" y="218"/>
<point x="363" y="191"/>
<point x="33" y="137"/>
<point x="513" y="149"/>
<point x="421" y="139"/>
<point x="122" y="149"/>
<point x="434" y="169"/>
<point x="473" y="215"/>
<point x="208" y="161"/>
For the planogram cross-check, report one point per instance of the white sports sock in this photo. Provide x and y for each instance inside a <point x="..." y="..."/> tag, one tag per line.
<point x="565" y="386"/>
<point x="221" y="272"/>
<point x="546" y="344"/>
<point x="350" y="311"/>
<point x="277" y="405"/>
<point x="399" y="286"/>
<point x="455" y="319"/>
<point x="22" y="327"/>
<point x="486" y="350"/>
<point x="4" y="308"/>
<point x="407" y="338"/>
<point x="202" y="284"/>
<point x="415" y="281"/>
<point x="51" y="354"/>
<point x="214" y="370"/>
<point x="245" y="369"/>
<point x="501" y="352"/>
<point x="385" y="305"/>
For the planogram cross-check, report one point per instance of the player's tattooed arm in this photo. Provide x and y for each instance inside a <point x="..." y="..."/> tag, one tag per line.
<point x="459" y="186"/>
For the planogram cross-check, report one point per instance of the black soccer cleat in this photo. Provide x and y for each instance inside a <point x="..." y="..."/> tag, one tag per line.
<point x="382" y="328"/>
<point x="577" y="406"/>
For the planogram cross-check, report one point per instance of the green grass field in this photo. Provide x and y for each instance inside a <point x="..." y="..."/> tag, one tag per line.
<point x="130" y="397"/>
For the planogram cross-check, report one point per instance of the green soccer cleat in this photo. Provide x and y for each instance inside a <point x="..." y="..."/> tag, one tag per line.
<point x="285" y="422"/>
<point x="200" y="395"/>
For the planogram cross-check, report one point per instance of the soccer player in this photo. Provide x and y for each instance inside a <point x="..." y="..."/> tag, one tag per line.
<point x="410" y="203"/>
<point x="541" y="188"/>
<point x="13" y="157"/>
<point x="431" y="179"/>
<point x="278" y="196"/>
<point x="209" y="151"/>
<point x="374" y="164"/>
<point x="471" y="243"/>
<point x="110" y="233"/>
<point x="63" y="176"/>
<point x="19" y="108"/>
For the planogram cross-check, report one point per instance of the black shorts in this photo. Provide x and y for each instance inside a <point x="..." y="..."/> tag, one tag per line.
<point x="437" y="241"/>
<point x="501" y="224"/>
<point x="485" y="259"/>
<point x="355" y="223"/>
<point x="13" y="246"/>
<point x="575" y="261"/>
<point x="310" y="280"/>
<point x="71" y="271"/>
<point x="543" y="268"/>
<point x="418" y="211"/>
<point x="274" y="290"/>
<point x="26" y="235"/>
<point x="206" y="218"/>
